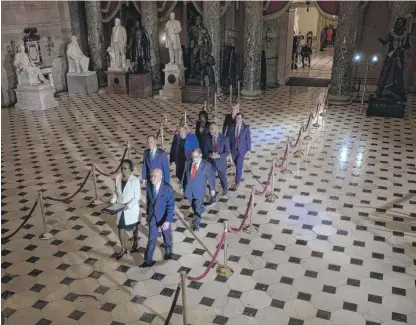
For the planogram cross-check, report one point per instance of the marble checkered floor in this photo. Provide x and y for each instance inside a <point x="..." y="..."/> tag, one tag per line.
<point x="338" y="245"/>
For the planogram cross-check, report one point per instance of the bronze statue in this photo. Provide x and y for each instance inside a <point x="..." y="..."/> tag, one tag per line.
<point x="139" y="47"/>
<point x="391" y="83"/>
<point x="200" y="46"/>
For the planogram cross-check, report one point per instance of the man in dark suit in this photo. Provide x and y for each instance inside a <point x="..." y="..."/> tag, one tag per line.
<point x="194" y="182"/>
<point x="154" y="158"/>
<point x="160" y="209"/>
<point x="240" y="144"/>
<point x="216" y="151"/>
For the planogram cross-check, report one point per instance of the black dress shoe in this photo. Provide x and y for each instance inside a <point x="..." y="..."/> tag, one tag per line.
<point x="121" y="254"/>
<point x="135" y="247"/>
<point x="167" y="257"/>
<point x="147" y="264"/>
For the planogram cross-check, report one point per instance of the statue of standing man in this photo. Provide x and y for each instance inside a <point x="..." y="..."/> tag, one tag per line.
<point x="173" y="42"/>
<point x="118" y="45"/>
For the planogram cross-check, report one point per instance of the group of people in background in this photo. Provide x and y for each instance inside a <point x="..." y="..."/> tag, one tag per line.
<point x="327" y="38"/>
<point x="199" y="157"/>
<point x="302" y="50"/>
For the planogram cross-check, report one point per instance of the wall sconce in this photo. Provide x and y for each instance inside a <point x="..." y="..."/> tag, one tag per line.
<point x="269" y="38"/>
<point x="50" y="45"/>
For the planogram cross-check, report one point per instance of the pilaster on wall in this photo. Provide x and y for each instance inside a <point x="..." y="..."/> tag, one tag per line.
<point x="271" y="49"/>
<point x="286" y="27"/>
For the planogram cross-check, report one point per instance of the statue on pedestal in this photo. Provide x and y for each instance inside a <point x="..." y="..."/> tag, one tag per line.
<point x="117" y="50"/>
<point x="200" y="46"/>
<point x="391" y="84"/>
<point x="139" y="47"/>
<point x="27" y="72"/>
<point x="77" y="61"/>
<point x="173" y="42"/>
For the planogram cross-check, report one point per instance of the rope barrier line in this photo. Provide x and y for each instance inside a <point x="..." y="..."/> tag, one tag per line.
<point x="174" y="302"/>
<point x="280" y="165"/>
<point x="211" y="264"/>
<point x="23" y="223"/>
<point x="118" y="168"/>
<point x="261" y="193"/>
<point x="247" y="213"/>
<point x="71" y="196"/>
<point x="297" y="140"/>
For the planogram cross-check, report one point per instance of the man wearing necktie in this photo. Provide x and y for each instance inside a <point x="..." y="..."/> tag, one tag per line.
<point x="240" y="144"/>
<point x="194" y="183"/>
<point x="160" y="209"/>
<point x="153" y="157"/>
<point x="216" y="151"/>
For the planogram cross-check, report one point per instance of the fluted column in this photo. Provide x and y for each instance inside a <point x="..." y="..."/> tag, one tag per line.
<point x="253" y="30"/>
<point x="211" y="10"/>
<point x="76" y="26"/>
<point x="96" y="39"/>
<point x="400" y="9"/>
<point x="150" y="21"/>
<point x="344" y="49"/>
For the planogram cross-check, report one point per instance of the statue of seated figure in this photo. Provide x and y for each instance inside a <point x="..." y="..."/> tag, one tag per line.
<point x="77" y="61"/>
<point x="28" y="74"/>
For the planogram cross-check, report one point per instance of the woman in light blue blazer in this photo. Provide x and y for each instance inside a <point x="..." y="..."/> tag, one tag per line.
<point x="127" y="192"/>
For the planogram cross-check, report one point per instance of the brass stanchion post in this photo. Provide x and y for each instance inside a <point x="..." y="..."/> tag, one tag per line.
<point x="286" y="171"/>
<point x="250" y="229"/>
<point x="316" y="124"/>
<point x="271" y="196"/>
<point x="205" y="105"/>
<point x="225" y="270"/>
<point x="46" y="235"/>
<point x="299" y="153"/>
<point x="183" y="287"/>
<point x="97" y="200"/>
<point x="184" y="118"/>
<point x="308" y="136"/>
<point x="161" y="135"/>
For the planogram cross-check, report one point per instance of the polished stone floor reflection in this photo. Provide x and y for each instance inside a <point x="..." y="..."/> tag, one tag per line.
<point x="321" y="65"/>
<point x="338" y="245"/>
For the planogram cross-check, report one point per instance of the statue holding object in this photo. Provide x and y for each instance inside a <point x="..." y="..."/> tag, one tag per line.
<point x="77" y="61"/>
<point x="391" y="83"/>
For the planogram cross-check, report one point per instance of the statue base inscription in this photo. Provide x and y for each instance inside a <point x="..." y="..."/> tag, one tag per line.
<point x="82" y="83"/>
<point x="35" y="98"/>
<point x="140" y="85"/>
<point x="174" y="79"/>
<point x="385" y="107"/>
<point x="198" y="94"/>
<point x="117" y="82"/>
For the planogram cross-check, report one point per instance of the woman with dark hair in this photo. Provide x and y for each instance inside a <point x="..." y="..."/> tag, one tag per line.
<point x="229" y="120"/>
<point x="127" y="192"/>
<point x="202" y="128"/>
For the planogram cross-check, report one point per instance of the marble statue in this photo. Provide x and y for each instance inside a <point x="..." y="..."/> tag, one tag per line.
<point x="118" y="46"/>
<point x="139" y="47"/>
<point x="173" y="42"/>
<point x="27" y="72"/>
<point x="391" y="84"/>
<point x="77" y="61"/>
<point x="200" y="46"/>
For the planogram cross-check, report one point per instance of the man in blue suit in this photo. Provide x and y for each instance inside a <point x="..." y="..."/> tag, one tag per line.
<point x="154" y="158"/>
<point x="240" y="144"/>
<point x="181" y="150"/>
<point x="160" y="209"/>
<point x="194" y="182"/>
<point x="216" y="151"/>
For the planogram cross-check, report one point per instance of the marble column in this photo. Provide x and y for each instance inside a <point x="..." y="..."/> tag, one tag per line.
<point x="76" y="25"/>
<point x="342" y="67"/>
<point x="400" y="9"/>
<point x="150" y="22"/>
<point x="271" y="48"/>
<point x="252" y="49"/>
<point x="211" y="11"/>
<point x="96" y="39"/>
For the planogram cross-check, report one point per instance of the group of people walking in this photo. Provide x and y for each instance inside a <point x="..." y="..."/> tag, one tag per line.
<point x="198" y="157"/>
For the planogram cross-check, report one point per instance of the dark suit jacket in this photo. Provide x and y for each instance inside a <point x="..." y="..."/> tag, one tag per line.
<point x="196" y="187"/>
<point x="244" y="140"/>
<point x="163" y="206"/>
<point x="223" y="149"/>
<point x="160" y="160"/>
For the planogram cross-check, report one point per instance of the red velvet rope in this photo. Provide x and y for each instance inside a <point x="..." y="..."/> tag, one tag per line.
<point x="237" y="230"/>
<point x="267" y="183"/>
<point x="284" y="157"/>
<point x="297" y="140"/>
<point x="111" y="174"/>
<point x="211" y="264"/>
<point x="71" y="196"/>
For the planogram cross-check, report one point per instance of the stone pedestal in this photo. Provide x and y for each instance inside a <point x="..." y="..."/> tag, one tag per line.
<point x="174" y="79"/>
<point x="198" y="94"/>
<point x="140" y="85"/>
<point x="117" y="82"/>
<point x="35" y="98"/>
<point x="82" y="83"/>
<point x="385" y="107"/>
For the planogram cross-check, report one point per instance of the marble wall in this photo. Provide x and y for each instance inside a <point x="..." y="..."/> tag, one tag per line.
<point x="51" y="18"/>
<point x="271" y="42"/>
